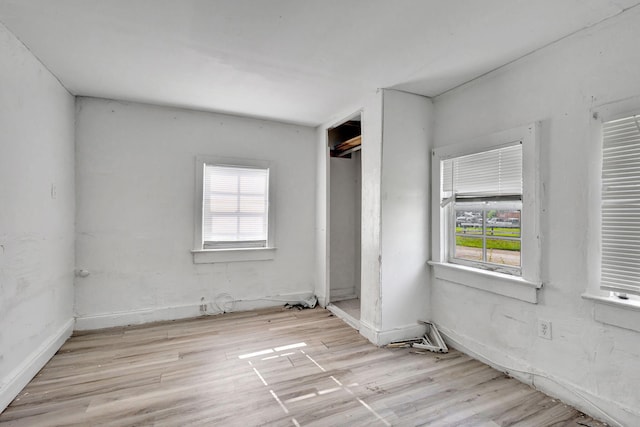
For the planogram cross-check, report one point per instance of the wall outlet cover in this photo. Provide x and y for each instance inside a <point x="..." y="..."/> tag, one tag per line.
<point x="544" y="329"/>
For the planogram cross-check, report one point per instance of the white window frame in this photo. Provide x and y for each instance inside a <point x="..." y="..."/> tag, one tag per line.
<point x="452" y="205"/>
<point x="236" y="253"/>
<point x="524" y="287"/>
<point x="608" y="308"/>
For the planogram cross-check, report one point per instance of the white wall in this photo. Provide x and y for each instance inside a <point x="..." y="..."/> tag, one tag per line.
<point x="406" y="142"/>
<point x="370" y="252"/>
<point x="557" y="85"/>
<point x="322" y="240"/>
<point x="36" y="216"/>
<point x="135" y="216"/>
<point x="396" y="131"/>
<point x="344" y="206"/>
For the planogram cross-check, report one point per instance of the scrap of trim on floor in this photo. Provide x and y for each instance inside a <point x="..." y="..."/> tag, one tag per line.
<point x="431" y="340"/>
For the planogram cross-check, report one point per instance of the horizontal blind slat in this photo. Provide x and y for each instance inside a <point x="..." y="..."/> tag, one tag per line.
<point x="621" y="205"/>
<point x="235" y="205"/>
<point x="494" y="172"/>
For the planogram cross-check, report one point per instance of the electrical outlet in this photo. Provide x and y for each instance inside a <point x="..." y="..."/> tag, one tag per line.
<point x="544" y="329"/>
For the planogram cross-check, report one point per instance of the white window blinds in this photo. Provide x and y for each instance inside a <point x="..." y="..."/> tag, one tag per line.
<point x="235" y="207"/>
<point x="621" y="205"/>
<point x="489" y="173"/>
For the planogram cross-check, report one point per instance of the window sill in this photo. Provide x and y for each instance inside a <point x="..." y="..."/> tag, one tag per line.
<point x="490" y="281"/>
<point x="209" y="256"/>
<point x="615" y="311"/>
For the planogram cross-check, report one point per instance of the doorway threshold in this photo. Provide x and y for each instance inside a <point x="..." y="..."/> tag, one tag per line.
<point x="348" y="311"/>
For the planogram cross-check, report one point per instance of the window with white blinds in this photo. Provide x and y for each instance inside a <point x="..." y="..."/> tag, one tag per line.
<point x="235" y="209"/>
<point x="621" y="205"/>
<point x="485" y="212"/>
<point x="482" y="195"/>
<point x="490" y="173"/>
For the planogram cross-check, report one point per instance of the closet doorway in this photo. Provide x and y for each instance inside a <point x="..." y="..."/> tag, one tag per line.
<point x="345" y="212"/>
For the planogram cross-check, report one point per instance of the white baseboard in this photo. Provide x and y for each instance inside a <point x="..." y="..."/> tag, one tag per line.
<point x="156" y="314"/>
<point x="378" y="337"/>
<point x="17" y="379"/>
<point x="384" y="337"/>
<point x="136" y="317"/>
<point x="322" y="301"/>
<point x="342" y="294"/>
<point x="369" y="332"/>
<point x="597" y="407"/>
<point x="273" y="301"/>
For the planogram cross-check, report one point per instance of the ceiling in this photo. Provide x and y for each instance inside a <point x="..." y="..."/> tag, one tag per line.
<point x="299" y="61"/>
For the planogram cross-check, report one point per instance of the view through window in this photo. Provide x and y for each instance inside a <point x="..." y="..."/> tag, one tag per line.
<point x="482" y="193"/>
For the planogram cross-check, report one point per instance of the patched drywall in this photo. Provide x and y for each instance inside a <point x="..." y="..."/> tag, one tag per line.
<point x="135" y="216"/>
<point x="36" y="215"/>
<point x="558" y="86"/>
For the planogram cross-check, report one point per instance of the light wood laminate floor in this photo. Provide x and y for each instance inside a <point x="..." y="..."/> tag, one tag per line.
<point x="271" y="367"/>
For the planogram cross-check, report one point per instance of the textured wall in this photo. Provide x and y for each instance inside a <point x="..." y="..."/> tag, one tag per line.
<point x="36" y="215"/>
<point x="136" y="202"/>
<point x="558" y="86"/>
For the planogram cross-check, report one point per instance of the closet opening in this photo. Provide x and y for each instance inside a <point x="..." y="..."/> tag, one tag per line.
<point x="345" y="211"/>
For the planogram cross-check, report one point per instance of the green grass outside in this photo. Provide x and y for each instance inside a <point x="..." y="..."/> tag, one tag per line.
<point x="475" y="242"/>
<point x="497" y="231"/>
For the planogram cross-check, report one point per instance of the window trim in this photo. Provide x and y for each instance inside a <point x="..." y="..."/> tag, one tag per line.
<point x="231" y="254"/>
<point x="486" y="280"/>
<point x="530" y="217"/>
<point x="607" y="308"/>
<point x="603" y="121"/>
<point x="612" y="310"/>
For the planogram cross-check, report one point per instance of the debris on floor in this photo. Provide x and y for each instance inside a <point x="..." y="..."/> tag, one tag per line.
<point x="310" y="302"/>
<point x="404" y="343"/>
<point x="431" y="341"/>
